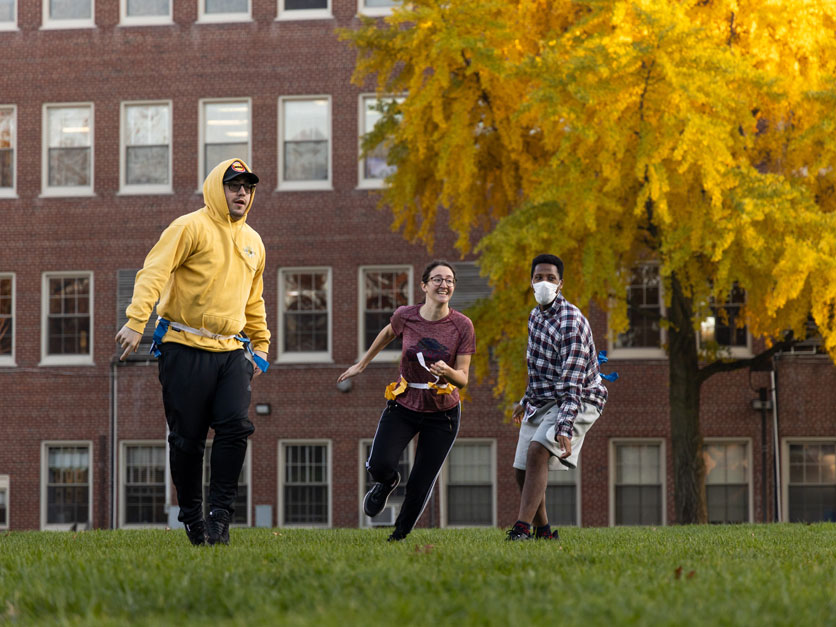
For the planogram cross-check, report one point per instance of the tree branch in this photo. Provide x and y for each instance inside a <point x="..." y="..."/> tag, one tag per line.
<point x="761" y="359"/>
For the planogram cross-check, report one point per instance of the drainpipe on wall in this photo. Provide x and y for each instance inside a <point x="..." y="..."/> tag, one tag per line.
<point x="113" y="442"/>
<point x="778" y="495"/>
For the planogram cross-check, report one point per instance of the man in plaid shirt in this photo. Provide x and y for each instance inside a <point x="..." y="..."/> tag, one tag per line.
<point x="564" y="397"/>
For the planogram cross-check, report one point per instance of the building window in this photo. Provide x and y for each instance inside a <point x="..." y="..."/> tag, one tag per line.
<point x="376" y="7"/>
<point x="68" y="488"/>
<point x="8" y="140"/>
<point x="305" y="314"/>
<point x="811" y="490"/>
<point x="724" y="328"/>
<point x="69" y="13"/>
<point x="7" y="319"/>
<point x="226" y="133"/>
<point x="393" y="505"/>
<point x="304" y="483"/>
<point x="146" y="153"/>
<point x="144" y="484"/>
<point x="145" y="12"/>
<point x="4" y="501"/>
<point x="241" y="515"/>
<point x="304" y="9"/>
<point x="305" y="150"/>
<point x="223" y="10"/>
<point x="644" y="336"/>
<point x="382" y="291"/>
<point x="562" y="497"/>
<point x="373" y="168"/>
<point x="68" y="154"/>
<point x="470" y="484"/>
<point x="639" y="496"/>
<point x="8" y="14"/>
<point x="68" y="313"/>
<point x="727" y="481"/>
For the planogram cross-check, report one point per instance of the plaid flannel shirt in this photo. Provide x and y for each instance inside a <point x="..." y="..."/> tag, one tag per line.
<point x="562" y="363"/>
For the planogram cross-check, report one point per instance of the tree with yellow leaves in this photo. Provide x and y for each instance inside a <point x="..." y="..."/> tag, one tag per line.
<point x="693" y="133"/>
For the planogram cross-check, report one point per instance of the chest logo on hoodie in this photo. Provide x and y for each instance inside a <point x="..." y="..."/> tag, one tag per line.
<point x="249" y="252"/>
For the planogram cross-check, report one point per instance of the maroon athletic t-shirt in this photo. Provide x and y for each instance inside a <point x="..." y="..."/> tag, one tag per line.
<point x="438" y="340"/>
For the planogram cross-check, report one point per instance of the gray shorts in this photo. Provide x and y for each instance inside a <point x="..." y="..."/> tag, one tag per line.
<point x="540" y="428"/>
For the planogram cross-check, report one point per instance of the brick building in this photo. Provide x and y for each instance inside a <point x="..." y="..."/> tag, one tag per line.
<point x="111" y="115"/>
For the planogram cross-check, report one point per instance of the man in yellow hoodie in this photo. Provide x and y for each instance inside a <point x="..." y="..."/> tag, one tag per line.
<point x="206" y="271"/>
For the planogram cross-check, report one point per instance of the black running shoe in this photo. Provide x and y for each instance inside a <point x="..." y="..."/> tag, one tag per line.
<point x="196" y="532"/>
<point x="218" y="526"/>
<point x="518" y="532"/>
<point x="396" y="536"/>
<point x="552" y="536"/>
<point x="375" y="499"/>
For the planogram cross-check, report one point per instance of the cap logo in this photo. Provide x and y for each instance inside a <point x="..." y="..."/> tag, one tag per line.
<point x="237" y="166"/>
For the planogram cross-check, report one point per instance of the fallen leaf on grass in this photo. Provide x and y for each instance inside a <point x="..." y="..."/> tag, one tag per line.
<point x="427" y="548"/>
<point x="677" y="573"/>
<point x="691" y="574"/>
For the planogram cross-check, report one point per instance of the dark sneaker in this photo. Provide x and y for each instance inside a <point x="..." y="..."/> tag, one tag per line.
<point x="196" y="532"/>
<point x="518" y="532"/>
<point x="396" y="536"/>
<point x="552" y="536"/>
<point x="375" y="499"/>
<point x="218" y="526"/>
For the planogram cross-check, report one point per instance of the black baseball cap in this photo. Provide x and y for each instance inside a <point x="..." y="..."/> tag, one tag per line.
<point x="238" y="169"/>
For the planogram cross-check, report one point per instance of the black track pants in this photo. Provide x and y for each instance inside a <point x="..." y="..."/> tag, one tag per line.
<point x="202" y="389"/>
<point x="436" y="432"/>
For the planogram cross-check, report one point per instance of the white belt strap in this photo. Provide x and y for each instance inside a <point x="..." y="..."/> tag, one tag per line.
<point x="201" y="331"/>
<point x="425" y="386"/>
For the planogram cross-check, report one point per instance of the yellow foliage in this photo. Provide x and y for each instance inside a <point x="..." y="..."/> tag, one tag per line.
<point x="698" y="133"/>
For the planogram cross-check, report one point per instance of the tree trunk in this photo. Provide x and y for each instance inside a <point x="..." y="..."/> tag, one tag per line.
<point x="684" y="396"/>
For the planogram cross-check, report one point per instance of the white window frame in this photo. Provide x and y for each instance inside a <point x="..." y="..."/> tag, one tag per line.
<point x="124" y="188"/>
<point x="362" y="181"/>
<point x="287" y="15"/>
<point x="4" y="489"/>
<point x="642" y="352"/>
<point x="327" y="443"/>
<point x="9" y="360"/>
<point x="53" y="24"/>
<point x="738" y="352"/>
<point x="363" y="520"/>
<point x="45" y="446"/>
<point x="248" y="467"/>
<point x="386" y="354"/>
<point x="65" y="191"/>
<point x="144" y="20"/>
<point x="362" y="9"/>
<point x="663" y="470"/>
<point x="65" y="360"/>
<point x="201" y="153"/>
<point x="123" y="478"/>
<point x="785" y="467"/>
<point x="750" y="470"/>
<point x="300" y="356"/>
<point x="445" y="482"/>
<point x="11" y="192"/>
<point x="578" y="491"/>
<point x="312" y="185"/>
<point x="11" y="25"/>
<point x="223" y="18"/>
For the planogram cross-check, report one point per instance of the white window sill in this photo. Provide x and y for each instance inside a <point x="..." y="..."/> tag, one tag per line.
<point x="68" y="192"/>
<point x="305" y="186"/>
<point x="303" y="15"/>
<point x="224" y="18"/>
<point x="304" y="358"/>
<point x="130" y="22"/>
<point x="8" y="193"/>
<point x="636" y="353"/>
<point x="68" y="25"/>
<point x="145" y="191"/>
<point x="367" y="184"/>
<point x="8" y="28"/>
<point x="7" y="361"/>
<point x="67" y="360"/>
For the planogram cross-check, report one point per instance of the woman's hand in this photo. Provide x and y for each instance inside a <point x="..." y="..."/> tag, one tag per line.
<point x="351" y="372"/>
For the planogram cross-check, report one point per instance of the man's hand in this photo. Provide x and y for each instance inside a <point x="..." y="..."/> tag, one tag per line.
<point x="129" y="340"/>
<point x="565" y="443"/>
<point x="517" y="414"/>
<point x="257" y="370"/>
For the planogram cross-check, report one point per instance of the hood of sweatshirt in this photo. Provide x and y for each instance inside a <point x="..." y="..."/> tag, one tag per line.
<point x="215" y="198"/>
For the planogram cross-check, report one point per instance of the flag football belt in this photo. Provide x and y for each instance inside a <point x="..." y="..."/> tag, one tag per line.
<point x="399" y="387"/>
<point x="163" y="326"/>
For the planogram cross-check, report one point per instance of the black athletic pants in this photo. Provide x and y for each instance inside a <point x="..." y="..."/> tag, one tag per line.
<point x="202" y="389"/>
<point x="436" y="433"/>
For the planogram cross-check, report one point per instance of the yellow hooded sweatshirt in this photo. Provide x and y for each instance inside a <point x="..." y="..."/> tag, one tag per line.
<point x="206" y="270"/>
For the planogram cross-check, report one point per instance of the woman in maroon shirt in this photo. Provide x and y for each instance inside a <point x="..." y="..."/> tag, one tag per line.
<point x="437" y="345"/>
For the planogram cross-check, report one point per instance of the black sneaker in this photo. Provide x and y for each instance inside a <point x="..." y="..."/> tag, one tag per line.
<point x="552" y="536"/>
<point x="218" y="525"/>
<point x="518" y="532"/>
<point x="196" y="532"/>
<point x="396" y="536"/>
<point x="375" y="499"/>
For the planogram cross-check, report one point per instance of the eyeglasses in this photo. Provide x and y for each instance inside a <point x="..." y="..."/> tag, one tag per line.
<point x="437" y="280"/>
<point x="234" y="187"/>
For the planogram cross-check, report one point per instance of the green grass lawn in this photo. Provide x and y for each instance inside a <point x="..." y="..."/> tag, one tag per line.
<point x="694" y="575"/>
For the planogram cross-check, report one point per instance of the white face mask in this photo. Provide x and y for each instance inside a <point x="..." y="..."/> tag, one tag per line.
<point x="545" y="292"/>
